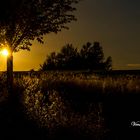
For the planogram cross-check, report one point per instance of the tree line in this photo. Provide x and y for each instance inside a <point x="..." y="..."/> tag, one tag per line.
<point x="89" y="57"/>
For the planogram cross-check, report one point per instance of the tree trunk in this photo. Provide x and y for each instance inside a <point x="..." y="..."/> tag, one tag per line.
<point x="10" y="74"/>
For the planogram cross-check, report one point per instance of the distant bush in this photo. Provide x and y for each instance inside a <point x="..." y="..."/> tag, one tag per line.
<point x="89" y="57"/>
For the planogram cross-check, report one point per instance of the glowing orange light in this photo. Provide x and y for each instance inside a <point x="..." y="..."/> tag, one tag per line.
<point x="5" y="52"/>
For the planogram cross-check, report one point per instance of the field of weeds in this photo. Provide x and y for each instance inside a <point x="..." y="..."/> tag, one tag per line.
<point x="68" y="105"/>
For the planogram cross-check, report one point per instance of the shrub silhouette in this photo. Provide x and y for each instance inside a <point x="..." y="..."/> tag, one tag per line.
<point x="90" y="57"/>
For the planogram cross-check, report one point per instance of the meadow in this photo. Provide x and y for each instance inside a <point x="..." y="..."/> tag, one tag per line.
<point x="68" y="105"/>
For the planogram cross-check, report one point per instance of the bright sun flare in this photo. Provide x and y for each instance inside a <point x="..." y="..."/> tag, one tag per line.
<point x="4" y="52"/>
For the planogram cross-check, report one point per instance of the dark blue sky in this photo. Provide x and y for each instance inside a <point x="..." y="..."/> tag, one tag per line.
<point x="114" y="23"/>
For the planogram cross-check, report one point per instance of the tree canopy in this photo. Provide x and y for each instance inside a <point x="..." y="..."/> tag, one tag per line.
<point x="22" y="21"/>
<point x="89" y="57"/>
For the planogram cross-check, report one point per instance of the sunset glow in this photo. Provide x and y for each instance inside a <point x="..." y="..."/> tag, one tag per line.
<point x="4" y="52"/>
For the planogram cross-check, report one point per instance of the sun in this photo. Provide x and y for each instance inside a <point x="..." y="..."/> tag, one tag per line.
<point x="5" y="52"/>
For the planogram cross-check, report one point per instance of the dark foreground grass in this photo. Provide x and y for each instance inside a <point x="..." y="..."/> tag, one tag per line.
<point x="14" y="124"/>
<point x="66" y="107"/>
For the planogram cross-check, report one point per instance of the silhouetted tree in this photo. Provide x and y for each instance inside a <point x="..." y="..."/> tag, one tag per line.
<point x="90" y="57"/>
<point x="68" y="57"/>
<point x="108" y="63"/>
<point x="51" y="61"/>
<point x="97" y="57"/>
<point x="22" y="21"/>
<point x="84" y="54"/>
<point x="43" y="67"/>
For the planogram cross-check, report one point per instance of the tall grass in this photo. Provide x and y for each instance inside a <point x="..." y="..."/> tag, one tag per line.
<point x="74" y="104"/>
<point x="47" y="103"/>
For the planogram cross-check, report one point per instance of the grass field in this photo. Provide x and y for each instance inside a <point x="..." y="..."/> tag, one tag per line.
<point x="70" y="106"/>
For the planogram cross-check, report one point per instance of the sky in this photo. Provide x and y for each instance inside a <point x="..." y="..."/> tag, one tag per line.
<point x="114" y="23"/>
